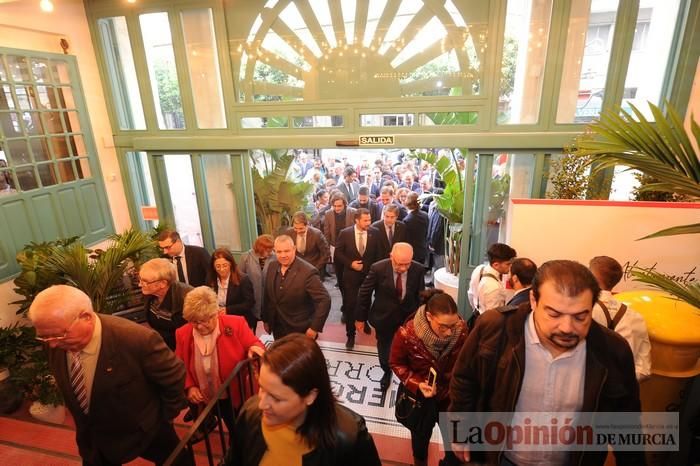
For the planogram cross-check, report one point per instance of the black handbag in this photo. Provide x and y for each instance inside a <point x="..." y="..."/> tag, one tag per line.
<point x="414" y="411"/>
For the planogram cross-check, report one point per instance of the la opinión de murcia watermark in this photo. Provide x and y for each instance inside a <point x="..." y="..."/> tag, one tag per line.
<point x="562" y="431"/>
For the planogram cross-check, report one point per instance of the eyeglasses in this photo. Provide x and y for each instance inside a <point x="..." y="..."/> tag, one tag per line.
<point x="60" y="337"/>
<point x="168" y="246"/>
<point x="446" y="327"/>
<point x="144" y="282"/>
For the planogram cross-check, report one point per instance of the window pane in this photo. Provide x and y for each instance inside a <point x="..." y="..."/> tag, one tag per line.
<point x="26" y="178"/>
<point x="653" y="36"/>
<point x="523" y="61"/>
<point x="161" y="70"/>
<point x="60" y="72"/>
<point x="54" y="122"/>
<point x="46" y="174"/>
<point x="182" y="194"/>
<point x="59" y="147"/>
<point x="6" y="99"/>
<point x="18" y="152"/>
<point x="222" y="201"/>
<point x="265" y="122"/>
<point x="65" y="169"/>
<point x="32" y="123"/>
<point x="203" y="65"/>
<point x="77" y="145"/>
<point x="586" y="60"/>
<point x="84" y="168"/>
<point x="26" y="97"/>
<point x="40" y="149"/>
<point x="3" y="73"/>
<point x="317" y="121"/>
<point x="46" y="96"/>
<point x="123" y="82"/>
<point x="9" y="122"/>
<point x="65" y="97"/>
<point x="40" y="70"/>
<point x="72" y="123"/>
<point x="382" y="119"/>
<point x="448" y="118"/>
<point x="19" y="67"/>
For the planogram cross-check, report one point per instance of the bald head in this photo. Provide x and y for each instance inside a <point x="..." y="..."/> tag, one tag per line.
<point x="61" y="301"/>
<point x="401" y="257"/>
<point x="62" y="315"/>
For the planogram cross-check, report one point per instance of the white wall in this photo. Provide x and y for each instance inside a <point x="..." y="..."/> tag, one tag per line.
<point x="544" y="229"/>
<point x="24" y="26"/>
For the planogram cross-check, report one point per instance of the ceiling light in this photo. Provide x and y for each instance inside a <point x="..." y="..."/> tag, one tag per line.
<point x="46" y="6"/>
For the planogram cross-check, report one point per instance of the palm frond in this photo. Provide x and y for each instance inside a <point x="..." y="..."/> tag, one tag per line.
<point x="693" y="228"/>
<point x="688" y="292"/>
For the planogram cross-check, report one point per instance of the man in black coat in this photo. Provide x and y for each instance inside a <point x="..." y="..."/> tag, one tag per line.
<point x="363" y="201"/>
<point x="310" y="243"/>
<point x="391" y="231"/>
<point x="192" y="262"/>
<point x="396" y="284"/>
<point x="416" y="228"/>
<point x="355" y="251"/>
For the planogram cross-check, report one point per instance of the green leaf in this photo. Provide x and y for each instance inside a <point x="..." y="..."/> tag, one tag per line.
<point x="679" y="230"/>
<point x="690" y="293"/>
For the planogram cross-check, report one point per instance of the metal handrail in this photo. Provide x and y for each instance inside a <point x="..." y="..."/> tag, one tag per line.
<point x="245" y="373"/>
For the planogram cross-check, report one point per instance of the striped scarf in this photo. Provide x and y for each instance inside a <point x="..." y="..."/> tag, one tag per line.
<point x="437" y="346"/>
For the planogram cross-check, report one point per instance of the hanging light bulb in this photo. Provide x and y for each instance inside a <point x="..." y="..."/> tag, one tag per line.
<point x="46" y="6"/>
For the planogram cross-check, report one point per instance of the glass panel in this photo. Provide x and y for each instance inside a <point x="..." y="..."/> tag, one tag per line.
<point x="47" y="174"/>
<point x="123" y="81"/>
<point x="84" y="168"/>
<point x="448" y="118"/>
<point x="32" y="123"/>
<point x="6" y="99"/>
<point x="320" y="50"/>
<point x="161" y="70"/>
<point x="203" y="65"/>
<point x="19" y="67"/>
<point x="653" y="36"/>
<point x="222" y="201"/>
<point x="40" y="150"/>
<point x="47" y="98"/>
<point x="3" y="73"/>
<point x="387" y="119"/>
<point x="73" y="122"/>
<point x="40" y="70"/>
<point x="586" y="60"/>
<point x="26" y="97"/>
<point x="264" y="122"/>
<point x="65" y="97"/>
<point x="523" y="60"/>
<point x="182" y="195"/>
<point x="65" y="169"/>
<point x="26" y="178"/>
<point x="77" y="145"/>
<point x="54" y="122"/>
<point x="60" y="72"/>
<point x="59" y="147"/>
<point x="317" y="121"/>
<point x="10" y="124"/>
<point x="18" y="152"/>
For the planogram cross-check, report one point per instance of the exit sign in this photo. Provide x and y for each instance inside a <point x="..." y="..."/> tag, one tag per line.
<point x="377" y="140"/>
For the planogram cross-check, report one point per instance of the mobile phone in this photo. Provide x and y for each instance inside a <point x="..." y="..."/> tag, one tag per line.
<point x="432" y="377"/>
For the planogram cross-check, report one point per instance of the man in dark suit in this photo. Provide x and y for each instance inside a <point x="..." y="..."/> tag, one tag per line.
<point x="396" y="284"/>
<point x="363" y="201"/>
<point x="391" y="231"/>
<point x="119" y="380"/>
<point x="355" y="251"/>
<point x="522" y="271"/>
<point x="349" y="187"/>
<point x="386" y="197"/>
<point x="416" y="228"/>
<point x="294" y="299"/>
<point x="336" y="218"/>
<point x="192" y="262"/>
<point x="310" y="243"/>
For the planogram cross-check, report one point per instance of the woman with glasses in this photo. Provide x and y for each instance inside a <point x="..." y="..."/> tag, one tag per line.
<point x="234" y="290"/>
<point x="295" y="418"/>
<point x="430" y="339"/>
<point x="211" y="344"/>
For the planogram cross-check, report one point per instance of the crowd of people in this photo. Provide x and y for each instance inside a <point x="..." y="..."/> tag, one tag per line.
<point x="540" y="339"/>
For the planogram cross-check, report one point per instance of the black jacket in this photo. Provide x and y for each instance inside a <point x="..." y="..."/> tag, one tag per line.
<point x="489" y="374"/>
<point x="417" y="234"/>
<point x="240" y="299"/>
<point x="384" y="248"/>
<point x="354" y="445"/>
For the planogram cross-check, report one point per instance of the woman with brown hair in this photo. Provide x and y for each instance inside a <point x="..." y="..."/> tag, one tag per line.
<point x="252" y="264"/>
<point x="295" y="418"/>
<point x="431" y="339"/>
<point x="234" y="290"/>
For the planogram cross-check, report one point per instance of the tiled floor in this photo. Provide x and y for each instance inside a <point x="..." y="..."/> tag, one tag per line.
<point x="28" y="442"/>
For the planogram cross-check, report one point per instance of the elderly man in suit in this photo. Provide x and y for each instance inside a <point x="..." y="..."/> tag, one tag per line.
<point x="391" y="230"/>
<point x="294" y="299"/>
<point x="396" y="284"/>
<point x="119" y="380"/>
<point x="355" y="252"/>
<point x="310" y="243"/>
<point x="192" y="262"/>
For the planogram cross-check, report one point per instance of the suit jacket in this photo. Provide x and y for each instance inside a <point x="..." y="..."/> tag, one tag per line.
<point x="329" y="223"/>
<point x="343" y="188"/>
<point x="384" y="247"/>
<point x="317" y="252"/>
<point x="169" y="316"/>
<point x="519" y="298"/>
<point x="302" y="302"/>
<point x="198" y="265"/>
<point x="387" y="311"/>
<point x="417" y="233"/>
<point x="137" y="387"/>
<point x="232" y="346"/>
<point x="402" y="210"/>
<point x="371" y="206"/>
<point x="249" y="264"/>
<point x="240" y="299"/>
<point x="346" y="252"/>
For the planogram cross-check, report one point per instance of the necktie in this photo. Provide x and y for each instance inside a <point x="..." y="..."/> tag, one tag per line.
<point x="301" y="244"/>
<point x="361" y="249"/>
<point x="180" y="272"/>
<point x="77" y="381"/>
<point x="399" y="287"/>
<point x="391" y="236"/>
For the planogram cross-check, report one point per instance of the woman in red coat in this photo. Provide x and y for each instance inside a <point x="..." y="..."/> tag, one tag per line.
<point x="431" y="338"/>
<point x="211" y="345"/>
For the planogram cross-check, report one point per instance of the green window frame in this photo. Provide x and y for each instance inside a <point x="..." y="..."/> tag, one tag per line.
<point x="52" y="181"/>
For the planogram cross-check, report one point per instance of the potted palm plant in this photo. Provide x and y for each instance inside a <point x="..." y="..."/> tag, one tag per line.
<point x="16" y="342"/>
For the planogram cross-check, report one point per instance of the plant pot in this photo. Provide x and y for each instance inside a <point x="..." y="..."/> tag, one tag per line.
<point x="447" y="282"/>
<point x="48" y="413"/>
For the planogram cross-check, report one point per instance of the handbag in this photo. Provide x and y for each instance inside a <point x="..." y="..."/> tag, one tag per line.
<point x="414" y="411"/>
